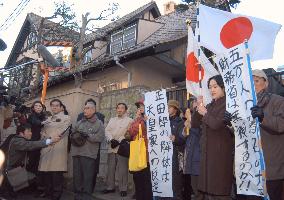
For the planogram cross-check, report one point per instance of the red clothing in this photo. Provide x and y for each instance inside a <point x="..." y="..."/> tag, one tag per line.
<point x="134" y="130"/>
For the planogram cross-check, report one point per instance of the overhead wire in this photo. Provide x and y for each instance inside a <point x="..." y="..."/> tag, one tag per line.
<point x="13" y="16"/>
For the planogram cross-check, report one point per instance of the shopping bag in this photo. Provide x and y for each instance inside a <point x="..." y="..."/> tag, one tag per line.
<point x="137" y="157"/>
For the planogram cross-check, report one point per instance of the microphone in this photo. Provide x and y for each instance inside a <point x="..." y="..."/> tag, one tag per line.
<point x="3" y="45"/>
<point x="47" y="56"/>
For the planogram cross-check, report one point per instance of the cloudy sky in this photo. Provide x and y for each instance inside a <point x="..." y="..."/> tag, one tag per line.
<point x="271" y="10"/>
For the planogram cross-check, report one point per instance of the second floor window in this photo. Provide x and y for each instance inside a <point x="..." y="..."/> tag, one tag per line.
<point x="123" y="39"/>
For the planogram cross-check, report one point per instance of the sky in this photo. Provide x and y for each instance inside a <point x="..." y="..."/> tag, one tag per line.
<point x="270" y="10"/>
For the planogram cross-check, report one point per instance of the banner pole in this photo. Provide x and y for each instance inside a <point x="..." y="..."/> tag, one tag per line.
<point x="262" y="163"/>
<point x="44" y="85"/>
<point x="199" y="50"/>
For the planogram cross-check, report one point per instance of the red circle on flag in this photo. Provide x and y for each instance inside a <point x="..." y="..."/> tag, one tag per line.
<point x="192" y="69"/>
<point x="236" y="31"/>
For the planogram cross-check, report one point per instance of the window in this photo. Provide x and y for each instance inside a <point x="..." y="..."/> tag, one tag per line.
<point x="123" y="39"/>
<point x="32" y="38"/>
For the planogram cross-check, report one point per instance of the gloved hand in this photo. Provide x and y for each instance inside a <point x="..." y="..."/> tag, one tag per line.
<point x="114" y="143"/>
<point x="227" y="118"/>
<point x="85" y="135"/>
<point x="257" y="111"/>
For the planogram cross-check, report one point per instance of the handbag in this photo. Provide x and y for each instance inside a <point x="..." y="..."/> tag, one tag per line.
<point x="18" y="177"/>
<point x="124" y="148"/>
<point x="137" y="157"/>
<point x="77" y="139"/>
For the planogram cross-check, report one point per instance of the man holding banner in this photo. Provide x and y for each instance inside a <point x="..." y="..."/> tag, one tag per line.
<point x="270" y="113"/>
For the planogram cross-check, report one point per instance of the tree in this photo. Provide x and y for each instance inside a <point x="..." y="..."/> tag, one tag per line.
<point x="65" y="16"/>
<point x="222" y="4"/>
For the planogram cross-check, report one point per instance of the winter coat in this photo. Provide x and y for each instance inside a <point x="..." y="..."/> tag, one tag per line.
<point x="272" y="134"/>
<point x="95" y="130"/>
<point x="217" y="146"/>
<point x="19" y="146"/>
<point x="192" y="152"/>
<point x="54" y="157"/>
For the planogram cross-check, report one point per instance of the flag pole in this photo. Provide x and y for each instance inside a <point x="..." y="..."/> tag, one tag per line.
<point x="262" y="163"/>
<point x="199" y="50"/>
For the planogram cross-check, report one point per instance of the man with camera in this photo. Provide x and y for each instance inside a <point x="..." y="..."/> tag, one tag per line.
<point x="86" y="137"/>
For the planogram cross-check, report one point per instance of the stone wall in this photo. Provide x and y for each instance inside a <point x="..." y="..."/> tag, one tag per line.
<point x="107" y="106"/>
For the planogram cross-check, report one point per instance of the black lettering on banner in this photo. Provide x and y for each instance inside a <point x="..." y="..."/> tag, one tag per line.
<point x="246" y="156"/>
<point x="152" y="124"/>
<point x="163" y="121"/>
<point x="247" y="166"/>
<point x="233" y="105"/>
<point x="153" y="140"/>
<point x="155" y="161"/>
<point x="159" y="96"/>
<point x="244" y="89"/>
<point x="164" y="132"/>
<point x="255" y="146"/>
<point x="247" y="185"/>
<point x="149" y="110"/>
<point x="259" y="177"/>
<point x="241" y="130"/>
<point x="232" y="91"/>
<point x="235" y="116"/>
<point x="235" y="56"/>
<point x="245" y="143"/>
<point x="238" y="70"/>
<point x="153" y="152"/>
<point x="155" y="187"/>
<point x="165" y="147"/>
<point x="166" y="162"/>
<point x="223" y="63"/>
<point x="165" y="176"/>
<point x="161" y="108"/>
<point x="155" y="174"/>
<point x="248" y="103"/>
<point x="229" y="78"/>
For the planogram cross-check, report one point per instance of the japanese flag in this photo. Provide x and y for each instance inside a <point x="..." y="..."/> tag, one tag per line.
<point x="193" y="74"/>
<point x="220" y="30"/>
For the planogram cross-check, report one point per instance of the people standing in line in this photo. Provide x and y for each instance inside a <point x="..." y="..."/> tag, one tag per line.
<point x="35" y="119"/>
<point x="85" y="158"/>
<point x="101" y="117"/>
<point x="115" y="133"/>
<point x="192" y="153"/>
<point x="53" y="159"/>
<point x="177" y="125"/>
<point x="217" y="145"/>
<point x="142" y="179"/>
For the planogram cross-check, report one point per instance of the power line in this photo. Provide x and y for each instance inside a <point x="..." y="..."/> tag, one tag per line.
<point x="13" y="16"/>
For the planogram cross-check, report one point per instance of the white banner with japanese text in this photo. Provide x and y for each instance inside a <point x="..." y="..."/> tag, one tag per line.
<point x="160" y="147"/>
<point x="249" y="164"/>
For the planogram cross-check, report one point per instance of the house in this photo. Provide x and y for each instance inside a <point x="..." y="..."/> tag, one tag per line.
<point x="141" y="51"/>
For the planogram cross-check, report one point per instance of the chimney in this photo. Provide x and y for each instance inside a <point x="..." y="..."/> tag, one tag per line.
<point x="169" y="7"/>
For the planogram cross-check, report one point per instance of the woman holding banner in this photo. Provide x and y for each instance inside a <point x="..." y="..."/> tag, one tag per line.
<point x="217" y="145"/>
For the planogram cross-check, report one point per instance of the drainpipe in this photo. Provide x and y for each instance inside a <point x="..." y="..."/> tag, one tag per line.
<point x="116" y="59"/>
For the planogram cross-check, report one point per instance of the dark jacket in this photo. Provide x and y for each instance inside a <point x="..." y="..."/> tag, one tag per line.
<point x="35" y="120"/>
<point x="192" y="152"/>
<point x="217" y="145"/>
<point x="19" y="146"/>
<point x="272" y="134"/>
<point x="177" y="125"/>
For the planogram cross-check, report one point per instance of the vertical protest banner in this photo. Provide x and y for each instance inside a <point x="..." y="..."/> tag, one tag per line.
<point x="249" y="164"/>
<point x="160" y="146"/>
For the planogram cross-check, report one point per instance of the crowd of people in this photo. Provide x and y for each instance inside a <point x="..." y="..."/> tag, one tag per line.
<point x="202" y="137"/>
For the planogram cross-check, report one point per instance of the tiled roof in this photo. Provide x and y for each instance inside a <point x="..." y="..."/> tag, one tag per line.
<point x="102" y="32"/>
<point x="174" y="28"/>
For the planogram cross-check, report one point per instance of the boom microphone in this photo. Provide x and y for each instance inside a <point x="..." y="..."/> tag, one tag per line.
<point x="3" y="45"/>
<point x="47" y="56"/>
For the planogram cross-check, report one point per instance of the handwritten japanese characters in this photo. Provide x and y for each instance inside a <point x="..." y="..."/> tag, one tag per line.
<point x="235" y="72"/>
<point x="160" y="146"/>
